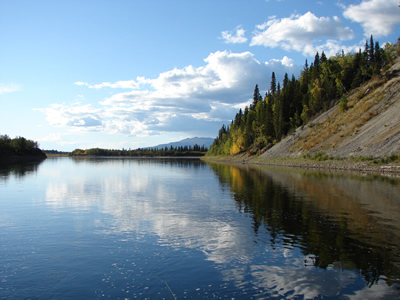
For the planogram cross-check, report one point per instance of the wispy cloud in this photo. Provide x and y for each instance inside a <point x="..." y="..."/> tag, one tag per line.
<point x="190" y="99"/>
<point x="234" y="37"/>
<point x="127" y="84"/>
<point x="377" y="17"/>
<point x="298" y="32"/>
<point x="9" y="88"/>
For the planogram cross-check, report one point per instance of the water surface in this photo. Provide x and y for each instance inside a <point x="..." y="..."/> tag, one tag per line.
<point x="165" y="228"/>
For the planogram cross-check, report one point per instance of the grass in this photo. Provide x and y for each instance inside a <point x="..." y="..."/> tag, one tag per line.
<point x="353" y="112"/>
<point x="320" y="160"/>
<point x="387" y="160"/>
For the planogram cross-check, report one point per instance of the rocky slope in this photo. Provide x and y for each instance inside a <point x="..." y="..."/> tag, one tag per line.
<point x="370" y="127"/>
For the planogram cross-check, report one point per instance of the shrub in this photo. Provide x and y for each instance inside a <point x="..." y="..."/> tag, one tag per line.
<point x="321" y="156"/>
<point x="343" y="104"/>
<point x="393" y="158"/>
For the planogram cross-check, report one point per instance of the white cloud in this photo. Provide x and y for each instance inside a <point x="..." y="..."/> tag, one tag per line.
<point x="9" y="88"/>
<point x="377" y="17"/>
<point x="330" y="48"/>
<point x="236" y="37"/>
<point x="288" y="62"/>
<point x="81" y="83"/>
<point x="75" y="115"/>
<point x="126" y="84"/>
<point x="299" y="31"/>
<point x="188" y="100"/>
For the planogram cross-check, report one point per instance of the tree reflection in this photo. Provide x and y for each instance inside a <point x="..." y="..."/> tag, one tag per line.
<point x="181" y="162"/>
<point x="348" y="222"/>
<point x="18" y="170"/>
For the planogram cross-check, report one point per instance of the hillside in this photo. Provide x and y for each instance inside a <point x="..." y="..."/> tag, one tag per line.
<point x="327" y="110"/>
<point x="370" y="127"/>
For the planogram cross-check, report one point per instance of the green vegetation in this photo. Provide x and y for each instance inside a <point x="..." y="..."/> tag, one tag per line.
<point x="196" y="150"/>
<point x="322" y="156"/>
<point x="379" y="161"/>
<point x="320" y="86"/>
<point x="18" y="147"/>
<point x="323" y="160"/>
<point x="56" y="153"/>
<point x="343" y="104"/>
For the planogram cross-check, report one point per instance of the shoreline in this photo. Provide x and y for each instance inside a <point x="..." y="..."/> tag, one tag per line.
<point x="300" y="163"/>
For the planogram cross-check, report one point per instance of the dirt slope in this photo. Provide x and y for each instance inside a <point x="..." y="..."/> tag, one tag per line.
<point x="370" y="126"/>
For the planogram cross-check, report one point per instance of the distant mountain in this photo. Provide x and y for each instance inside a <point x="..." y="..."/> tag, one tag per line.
<point x="188" y="142"/>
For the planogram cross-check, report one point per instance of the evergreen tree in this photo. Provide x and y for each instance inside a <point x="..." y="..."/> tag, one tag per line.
<point x="316" y="66"/>
<point x="299" y="99"/>
<point x="295" y="103"/>
<point x="273" y="84"/>
<point x="268" y="120"/>
<point x="371" y="48"/>
<point x="323" y="57"/>
<point x="256" y="96"/>
<point x="278" y="114"/>
<point x="378" y="59"/>
<point x="317" y="61"/>
<point x="366" y="51"/>
<point x="285" y="81"/>
<point x="249" y="128"/>
<point x="357" y="68"/>
<point x="238" y="118"/>
<point x="286" y="97"/>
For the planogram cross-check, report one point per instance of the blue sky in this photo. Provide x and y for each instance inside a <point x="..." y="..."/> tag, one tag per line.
<point x="129" y="74"/>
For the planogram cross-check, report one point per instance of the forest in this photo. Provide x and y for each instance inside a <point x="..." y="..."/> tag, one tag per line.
<point x="18" y="146"/>
<point x="321" y="85"/>
<point x="195" y="150"/>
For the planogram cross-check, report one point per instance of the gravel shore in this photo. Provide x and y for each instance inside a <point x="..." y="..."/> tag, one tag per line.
<point x="330" y="164"/>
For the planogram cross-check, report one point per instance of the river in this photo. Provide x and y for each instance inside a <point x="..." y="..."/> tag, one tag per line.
<point x="167" y="228"/>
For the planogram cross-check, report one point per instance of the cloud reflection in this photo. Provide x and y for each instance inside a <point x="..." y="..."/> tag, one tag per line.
<point x="146" y="201"/>
<point x="185" y="208"/>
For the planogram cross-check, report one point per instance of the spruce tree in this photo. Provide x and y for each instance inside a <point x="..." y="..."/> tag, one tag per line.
<point x="371" y="48"/>
<point x="268" y="121"/>
<point x="273" y="84"/>
<point x="378" y="58"/>
<point x="316" y="66"/>
<point x="256" y="96"/>
<point x="323" y="57"/>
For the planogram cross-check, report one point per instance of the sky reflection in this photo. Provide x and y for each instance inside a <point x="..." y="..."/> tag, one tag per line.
<point x="187" y="208"/>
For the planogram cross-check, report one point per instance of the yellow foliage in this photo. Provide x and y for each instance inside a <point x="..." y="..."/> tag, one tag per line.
<point x="234" y="149"/>
<point x="237" y="178"/>
<point x="237" y="143"/>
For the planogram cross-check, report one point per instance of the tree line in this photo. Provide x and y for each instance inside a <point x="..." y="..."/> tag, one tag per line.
<point x="195" y="150"/>
<point x="284" y="108"/>
<point x="18" y="146"/>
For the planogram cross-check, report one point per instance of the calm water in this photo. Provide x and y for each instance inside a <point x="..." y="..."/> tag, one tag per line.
<point x="181" y="228"/>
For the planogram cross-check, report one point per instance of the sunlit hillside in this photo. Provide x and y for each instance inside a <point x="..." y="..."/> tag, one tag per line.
<point x="347" y="105"/>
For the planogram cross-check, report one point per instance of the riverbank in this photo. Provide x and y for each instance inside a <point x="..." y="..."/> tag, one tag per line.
<point x="345" y="164"/>
<point x="363" y="137"/>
